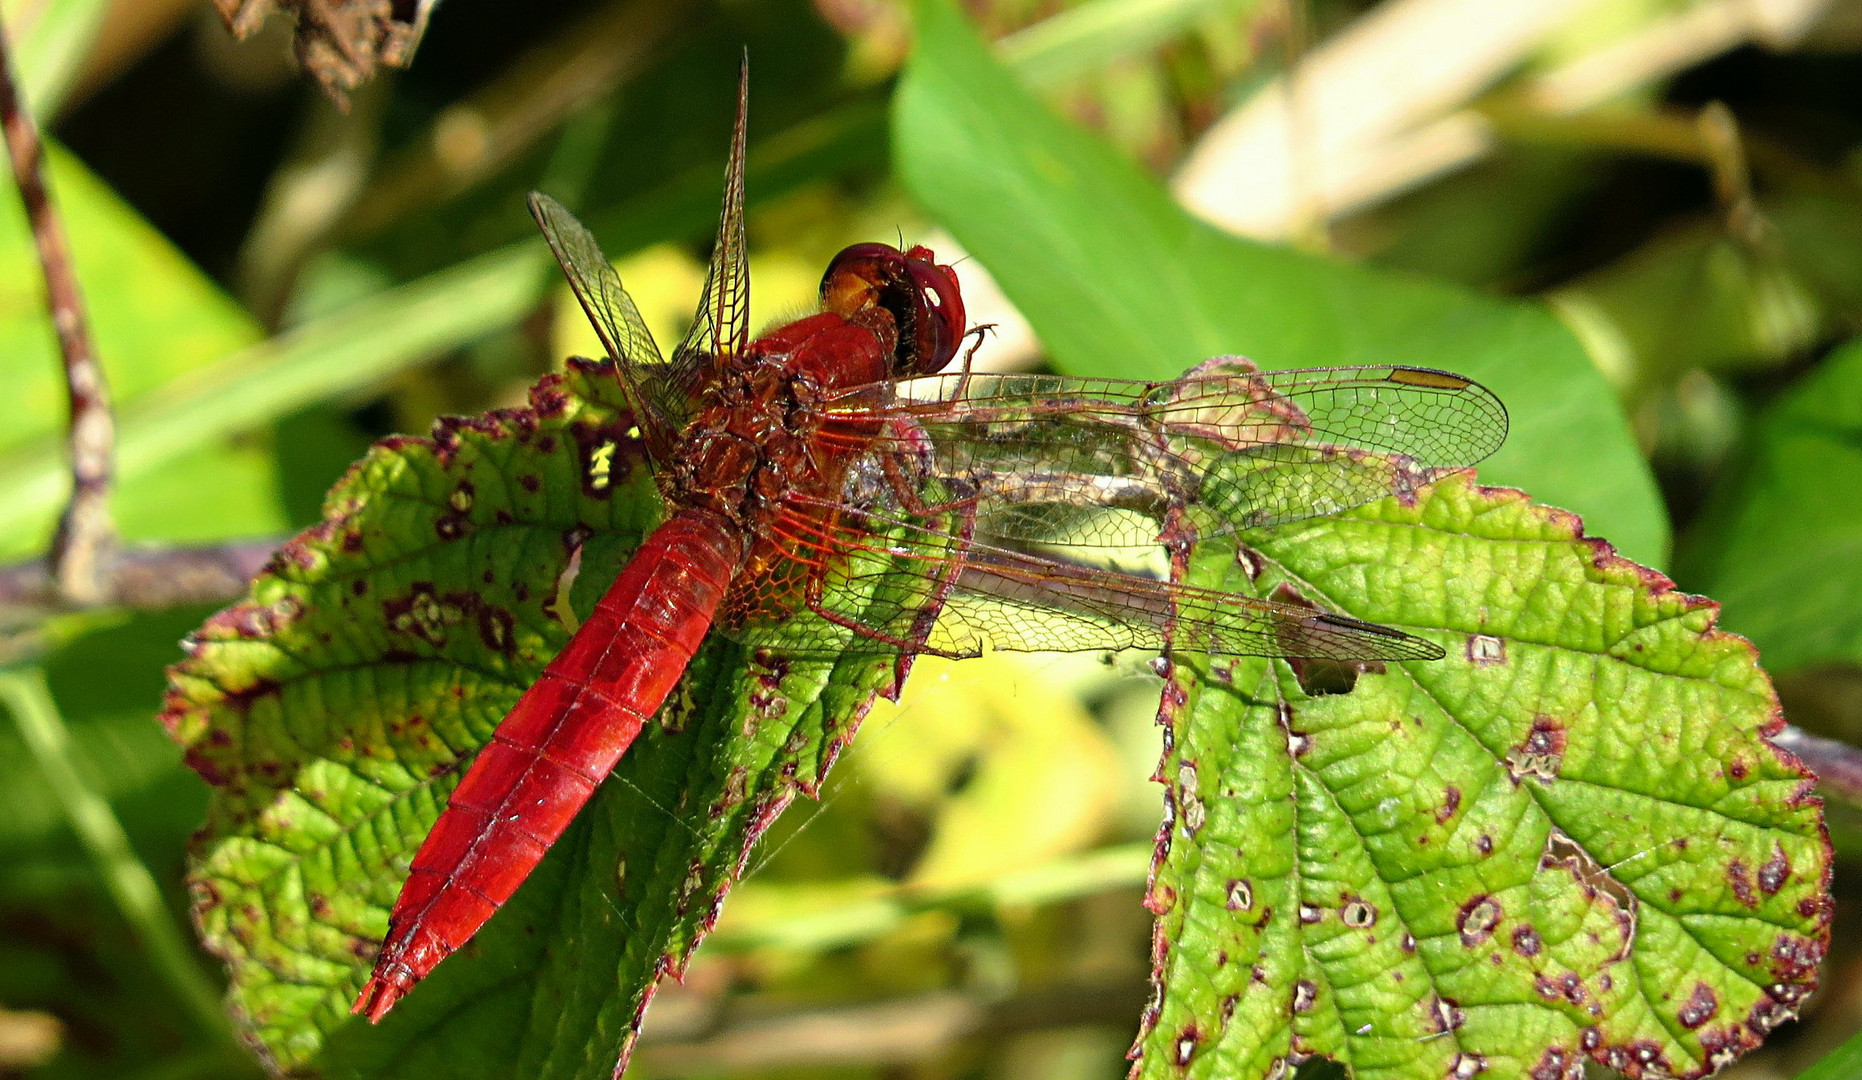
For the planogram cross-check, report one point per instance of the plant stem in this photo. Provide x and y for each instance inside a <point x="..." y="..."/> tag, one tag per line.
<point x="1838" y="765"/>
<point x="85" y="533"/>
<point x="24" y="693"/>
<point x="144" y="579"/>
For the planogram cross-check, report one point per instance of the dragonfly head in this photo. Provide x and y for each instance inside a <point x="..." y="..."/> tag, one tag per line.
<point x="922" y="296"/>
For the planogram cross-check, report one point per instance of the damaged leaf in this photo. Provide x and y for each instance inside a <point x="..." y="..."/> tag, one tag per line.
<point x="333" y="711"/>
<point x="1570" y="840"/>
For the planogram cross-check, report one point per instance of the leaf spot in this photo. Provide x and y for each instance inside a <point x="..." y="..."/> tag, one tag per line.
<point x="1701" y="1006"/>
<point x="1358" y="915"/>
<point x="1448" y="1015"/>
<point x="1186" y="1046"/>
<point x="1193" y="813"/>
<point x="1557" y="1063"/>
<point x="1526" y="940"/>
<point x="1467" y="1066"/>
<point x="495" y="627"/>
<point x="1485" y="650"/>
<point x="1451" y="802"/>
<point x="1240" y="895"/>
<point x="1775" y="872"/>
<point x="1305" y="995"/>
<point x="1739" y="879"/>
<point x="1477" y="919"/>
<point x="1541" y="754"/>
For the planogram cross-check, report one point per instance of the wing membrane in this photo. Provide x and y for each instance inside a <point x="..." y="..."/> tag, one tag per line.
<point x="722" y="325"/>
<point x="616" y="320"/>
<point x="1093" y="462"/>
<point x="882" y="579"/>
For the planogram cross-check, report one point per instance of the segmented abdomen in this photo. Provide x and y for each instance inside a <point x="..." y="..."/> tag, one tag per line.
<point x="555" y="747"/>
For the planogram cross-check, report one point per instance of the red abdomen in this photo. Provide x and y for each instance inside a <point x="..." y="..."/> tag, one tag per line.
<point x="558" y="743"/>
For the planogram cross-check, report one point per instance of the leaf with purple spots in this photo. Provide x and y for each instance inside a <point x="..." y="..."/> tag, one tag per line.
<point x="332" y="712"/>
<point x="1570" y="840"/>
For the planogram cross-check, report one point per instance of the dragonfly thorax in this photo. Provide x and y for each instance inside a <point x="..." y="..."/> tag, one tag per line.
<point x="748" y="445"/>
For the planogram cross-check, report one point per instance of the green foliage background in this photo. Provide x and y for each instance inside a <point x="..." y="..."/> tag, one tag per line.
<point x="978" y="864"/>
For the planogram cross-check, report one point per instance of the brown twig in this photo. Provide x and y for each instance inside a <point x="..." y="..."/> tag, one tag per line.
<point x="140" y="578"/>
<point x="1838" y="765"/>
<point x="85" y="533"/>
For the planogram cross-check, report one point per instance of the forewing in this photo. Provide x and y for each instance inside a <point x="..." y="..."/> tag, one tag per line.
<point x="887" y="584"/>
<point x="1095" y="462"/>
<point x="616" y="321"/>
<point x="721" y="326"/>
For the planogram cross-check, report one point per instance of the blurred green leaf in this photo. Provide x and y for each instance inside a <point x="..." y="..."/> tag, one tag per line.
<point x="1779" y="543"/>
<point x="1567" y="840"/>
<point x="155" y="319"/>
<point x="52" y="51"/>
<point x="1842" y="1063"/>
<point x="1092" y="36"/>
<point x="332" y="710"/>
<point x="1696" y="297"/>
<point x="1119" y="281"/>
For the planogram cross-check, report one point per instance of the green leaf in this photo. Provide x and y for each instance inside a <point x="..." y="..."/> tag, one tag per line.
<point x="1120" y="281"/>
<point x="332" y="710"/>
<point x="1568" y="839"/>
<point x="1778" y="542"/>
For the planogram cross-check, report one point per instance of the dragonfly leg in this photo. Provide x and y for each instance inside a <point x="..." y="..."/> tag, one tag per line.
<point x="811" y="596"/>
<point x="914" y="504"/>
<point x="981" y="331"/>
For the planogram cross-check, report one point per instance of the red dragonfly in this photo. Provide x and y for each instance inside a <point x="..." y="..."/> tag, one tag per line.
<point x="828" y="491"/>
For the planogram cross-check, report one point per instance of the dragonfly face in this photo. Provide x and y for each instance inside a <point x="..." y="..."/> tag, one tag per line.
<point x="922" y="297"/>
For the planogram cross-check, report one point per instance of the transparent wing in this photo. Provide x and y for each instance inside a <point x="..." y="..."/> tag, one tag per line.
<point x="1095" y="462"/>
<point x="659" y="411"/>
<point x="878" y="582"/>
<point x="722" y="325"/>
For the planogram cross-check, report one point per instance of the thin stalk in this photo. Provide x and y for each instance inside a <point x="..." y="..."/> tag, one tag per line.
<point x="24" y="693"/>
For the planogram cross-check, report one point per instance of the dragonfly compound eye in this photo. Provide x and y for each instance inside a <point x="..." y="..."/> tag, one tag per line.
<point x="922" y="297"/>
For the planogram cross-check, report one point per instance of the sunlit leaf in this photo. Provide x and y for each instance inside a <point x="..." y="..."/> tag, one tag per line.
<point x="332" y="711"/>
<point x="1569" y="840"/>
